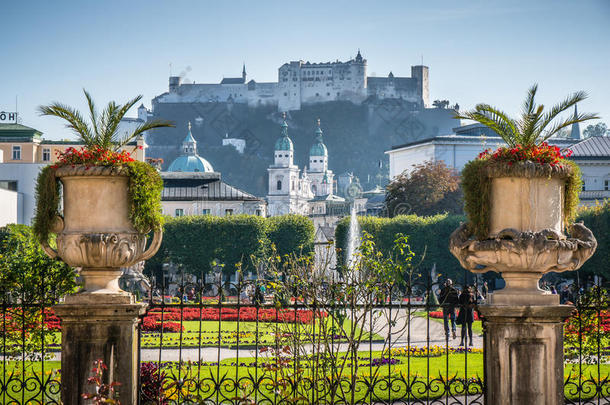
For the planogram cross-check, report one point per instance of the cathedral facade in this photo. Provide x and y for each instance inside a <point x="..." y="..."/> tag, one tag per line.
<point x="301" y="83"/>
<point x="290" y="190"/>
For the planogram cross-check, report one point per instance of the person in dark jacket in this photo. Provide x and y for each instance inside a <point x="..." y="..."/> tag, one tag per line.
<point x="448" y="298"/>
<point x="467" y="302"/>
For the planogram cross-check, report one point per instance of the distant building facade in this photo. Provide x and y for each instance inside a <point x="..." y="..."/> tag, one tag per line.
<point x="454" y="150"/>
<point x="593" y="157"/>
<point x="191" y="187"/>
<point x="25" y="153"/>
<point x="300" y="83"/>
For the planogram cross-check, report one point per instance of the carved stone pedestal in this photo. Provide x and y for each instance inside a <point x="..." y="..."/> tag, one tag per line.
<point x="94" y="327"/>
<point x="523" y="351"/>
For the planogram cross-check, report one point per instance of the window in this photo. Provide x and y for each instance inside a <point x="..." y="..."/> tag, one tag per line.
<point x="258" y="212"/>
<point x="328" y="94"/>
<point x="179" y="212"/>
<point x="285" y="155"/>
<point x="16" y="152"/>
<point x="583" y="185"/>
<point x="228" y="211"/>
<point x="317" y="94"/>
<point x="205" y="211"/>
<point x="279" y="184"/>
<point x="606" y="185"/>
<point x="46" y="155"/>
<point x="8" y="185"/>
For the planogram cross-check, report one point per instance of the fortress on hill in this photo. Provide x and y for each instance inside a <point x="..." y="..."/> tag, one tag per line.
<point x="302" y="83"/>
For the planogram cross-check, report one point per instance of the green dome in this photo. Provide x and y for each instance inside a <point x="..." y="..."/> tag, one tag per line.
<point x="284" y="143"/>
<point x="190" y="164"/>
<point x="318" y="149"/>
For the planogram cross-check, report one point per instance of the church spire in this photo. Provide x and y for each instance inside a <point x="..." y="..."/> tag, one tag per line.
<point x="243" y="72"/>
<point x="575" y="134"/>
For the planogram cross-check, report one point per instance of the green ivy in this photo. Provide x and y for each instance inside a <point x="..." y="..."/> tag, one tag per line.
<point x="47" y="203"/>
<point x="145" y="187"/>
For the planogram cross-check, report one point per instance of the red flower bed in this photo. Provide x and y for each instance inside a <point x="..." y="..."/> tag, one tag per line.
<point x="150" y="324"/>
<point x="245" y="314"/>
<point x="439" y="315"/>
<point x="16" y="320"/>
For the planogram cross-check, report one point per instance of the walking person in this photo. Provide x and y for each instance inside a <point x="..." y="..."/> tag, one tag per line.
<point x="449" y="299"/>
<point x="466" y="314"/>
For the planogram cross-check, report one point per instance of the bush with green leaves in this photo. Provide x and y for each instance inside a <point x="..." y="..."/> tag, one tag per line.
<point x="597" y="219"/>
<point x="428" y="237"/>
<point x="195" y="242"/>
<point x="291" y="234"/>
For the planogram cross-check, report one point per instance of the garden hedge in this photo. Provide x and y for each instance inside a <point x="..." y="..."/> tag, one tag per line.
<point x="597" y="219"/>
<point x="431" y="234"/>
<point x="426" y="234"/>
<point x="196" y="241"/>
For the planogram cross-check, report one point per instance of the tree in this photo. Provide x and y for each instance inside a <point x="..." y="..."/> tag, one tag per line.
<point x="102" y="130"/>
<point x="430" y="188"/>
<point x="534" y="125"/>
<point x="27" y="274"/>
<point x="599" y="129"/>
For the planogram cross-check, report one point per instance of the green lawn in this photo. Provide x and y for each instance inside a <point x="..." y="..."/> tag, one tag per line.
<point x="426" y="376"/>
<point x="206" y="333"/>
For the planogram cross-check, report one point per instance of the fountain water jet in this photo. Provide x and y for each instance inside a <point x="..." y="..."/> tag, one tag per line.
<point x="353" y="239"/>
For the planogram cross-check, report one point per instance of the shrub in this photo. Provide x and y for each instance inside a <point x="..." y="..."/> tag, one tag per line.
<point x="428" y="237"/>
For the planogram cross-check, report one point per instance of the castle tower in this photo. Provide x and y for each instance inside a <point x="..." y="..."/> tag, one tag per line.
<point x="321" y="178"/>
<point x="575" y="133"/>
<point x="420" y="72"/>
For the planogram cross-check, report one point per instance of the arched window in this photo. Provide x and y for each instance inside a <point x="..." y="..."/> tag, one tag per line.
<point x="314" y="188"/>
<point x="279" y="184"/>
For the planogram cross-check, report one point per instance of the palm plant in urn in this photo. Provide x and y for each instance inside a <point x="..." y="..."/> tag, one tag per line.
<point x="98" y="200"/>
<point x="521" y="198"/>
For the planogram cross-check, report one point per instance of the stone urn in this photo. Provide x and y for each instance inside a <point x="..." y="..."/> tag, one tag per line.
<point x="95" y="232"/>
<point x="526" y="238"/>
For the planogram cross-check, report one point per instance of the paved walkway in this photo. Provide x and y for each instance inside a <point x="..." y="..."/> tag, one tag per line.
<point x="421" y="331"/>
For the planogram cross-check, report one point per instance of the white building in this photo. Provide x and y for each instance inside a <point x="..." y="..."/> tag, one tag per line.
<point x="289" y="191"/>
<point x="302" y="83"/>
<point x="191" y="187"/>
<point x="454" y="150"/>
<point x="593" y="157"/>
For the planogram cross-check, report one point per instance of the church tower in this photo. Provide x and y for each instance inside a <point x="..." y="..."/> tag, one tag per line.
<point x="285" y="184"/>
<point x="321" y="178"/>
<point x="575" y="133"/>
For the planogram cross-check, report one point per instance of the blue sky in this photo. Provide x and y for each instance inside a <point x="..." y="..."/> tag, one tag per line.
<point x="477" y="51"/>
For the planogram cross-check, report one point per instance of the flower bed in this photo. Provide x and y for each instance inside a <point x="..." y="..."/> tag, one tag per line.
<point x="150" y="324"/>
<point x="245" y="314"/>
<point x="439" y="315"/>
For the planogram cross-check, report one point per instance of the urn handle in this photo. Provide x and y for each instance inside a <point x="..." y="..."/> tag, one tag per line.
<point x="58" y="226"/>
<point x="154" y="245"/>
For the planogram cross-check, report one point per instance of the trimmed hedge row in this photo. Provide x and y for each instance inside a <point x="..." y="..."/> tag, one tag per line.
<point x="431" y="235"/>
<point x="597" y="219"/>
<point x="428" y="238"/>
<point x="196" y="241"/>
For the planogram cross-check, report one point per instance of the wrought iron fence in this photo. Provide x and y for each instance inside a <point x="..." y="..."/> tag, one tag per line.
<point x="247" y="341"/>
<point x="266" y="341"/>
<point x="30" y="372"/>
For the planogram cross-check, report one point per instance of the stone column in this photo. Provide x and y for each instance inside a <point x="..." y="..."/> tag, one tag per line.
<point x="523" y="353"/>
<point x="99" y="327"/>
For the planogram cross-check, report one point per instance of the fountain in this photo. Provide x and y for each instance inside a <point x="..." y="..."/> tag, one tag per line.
<point x="353" y="239"/>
